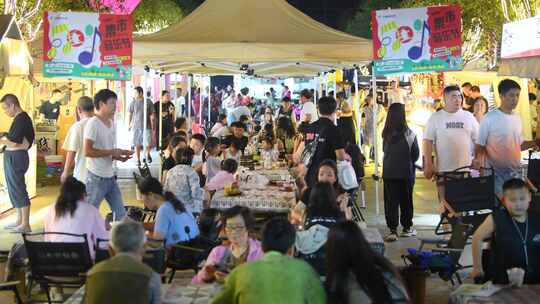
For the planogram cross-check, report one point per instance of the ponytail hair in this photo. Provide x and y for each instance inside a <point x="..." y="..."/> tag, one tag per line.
<point x="177" y="204"/>
<point x="152" y="185"/>
<point x="71" y="192"/>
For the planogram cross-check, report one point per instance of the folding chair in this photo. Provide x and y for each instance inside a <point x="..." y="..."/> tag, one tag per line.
<point x="468" y="199"/>
<point x="12" y="286"/>
<point x="188" y="255"/>
<point x="533" y="179"/>
<point x="62" y="264"/>
<point x="444" y="259"/>
<point x="358" y="217"/>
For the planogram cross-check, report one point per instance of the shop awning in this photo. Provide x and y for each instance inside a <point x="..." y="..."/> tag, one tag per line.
<point x="527" y="67"/>
<point x="266" y="37"/>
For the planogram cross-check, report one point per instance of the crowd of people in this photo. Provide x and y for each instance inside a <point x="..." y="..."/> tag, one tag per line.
<point x="319" y="239"/>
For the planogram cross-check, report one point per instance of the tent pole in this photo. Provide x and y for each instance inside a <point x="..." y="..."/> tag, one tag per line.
<point x="375" y="149"/>
<point x="145" y="110"/>
<point x="358" y="115"/>
<point x="189" y="102"/>
<point x="201" y="100"/>
<point x="162" y="86"/>
<point x="335" y="85"/>
<point x="208" y="121"/>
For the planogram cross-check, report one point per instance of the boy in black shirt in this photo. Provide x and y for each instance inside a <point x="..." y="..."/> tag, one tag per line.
<point x="237" y="137"/>
<point x="515" y="233"/>
<point x="330" y="142"/>
<point x="18" y="141"/>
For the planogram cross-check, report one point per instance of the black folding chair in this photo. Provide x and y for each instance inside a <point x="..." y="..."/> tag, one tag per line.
<point x="62" y="264"/>
<point x="470" y="199"/>
<point x="188" y="255"/>
<point x="12" y="286"/>
<point x="450" y="251"/>
<point x="533" y="179"/>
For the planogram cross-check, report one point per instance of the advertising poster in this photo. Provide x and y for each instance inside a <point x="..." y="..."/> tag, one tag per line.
<point x="87" y="45"/>
<point x="521" y="38"/>
<point x="417" y="40"/>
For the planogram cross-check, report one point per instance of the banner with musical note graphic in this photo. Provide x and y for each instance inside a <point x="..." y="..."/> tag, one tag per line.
<point x="87" y="45"/>
<point x="417" y="40"/>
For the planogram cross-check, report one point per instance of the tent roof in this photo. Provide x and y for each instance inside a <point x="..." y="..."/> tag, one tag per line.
<point x="527" y="67"/>
<point x="9" y="28"/>
<point x="250" y="31"/>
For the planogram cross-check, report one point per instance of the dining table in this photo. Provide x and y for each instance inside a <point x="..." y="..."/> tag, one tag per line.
<point x="177" y="292"/>
<point x="468" y="294"/>
<point x="276" y="196"/>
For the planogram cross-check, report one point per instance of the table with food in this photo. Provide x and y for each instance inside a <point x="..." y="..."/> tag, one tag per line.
<point x="495" y="294"/>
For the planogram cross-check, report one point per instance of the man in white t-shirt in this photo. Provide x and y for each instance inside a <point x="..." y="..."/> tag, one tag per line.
<point x="451" y="132"/>
<point x="309" y="110"/>
<point x="100" y="150"/>
<point x="73" y="144"/>
<point x="500" y="140"/>
<point x="180" y="103"/>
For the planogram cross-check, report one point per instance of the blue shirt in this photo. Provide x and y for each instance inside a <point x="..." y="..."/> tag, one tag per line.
<point x="175" y="225"/>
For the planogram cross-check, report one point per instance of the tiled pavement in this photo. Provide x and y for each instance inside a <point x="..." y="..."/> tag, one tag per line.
<point x="426" y="217"/>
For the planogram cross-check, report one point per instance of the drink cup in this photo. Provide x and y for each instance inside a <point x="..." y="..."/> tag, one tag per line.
<point x="515" y="276"/>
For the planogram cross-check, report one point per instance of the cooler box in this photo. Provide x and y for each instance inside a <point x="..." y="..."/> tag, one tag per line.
<point x="53" y="165"/>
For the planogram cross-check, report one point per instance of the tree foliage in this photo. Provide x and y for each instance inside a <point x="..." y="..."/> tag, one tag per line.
<point x="483" y="21"/>
<point x="149" y="16"/>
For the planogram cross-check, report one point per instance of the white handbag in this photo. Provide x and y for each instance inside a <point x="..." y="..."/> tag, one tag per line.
<point x="346" y="175"/>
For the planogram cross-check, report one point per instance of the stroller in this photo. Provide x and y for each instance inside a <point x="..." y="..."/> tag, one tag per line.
<point x="358" y="161"/>
<point x="468" y="200"/>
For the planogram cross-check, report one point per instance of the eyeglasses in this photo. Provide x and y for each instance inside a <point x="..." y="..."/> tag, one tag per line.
<point x="235" y="228"/>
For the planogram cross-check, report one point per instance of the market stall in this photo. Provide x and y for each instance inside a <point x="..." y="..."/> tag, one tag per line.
<point x="15" y="67"/>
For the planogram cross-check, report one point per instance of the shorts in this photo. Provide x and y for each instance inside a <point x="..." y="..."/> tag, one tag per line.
<point x="140" y="140"/>
<point x="502" y="175"/>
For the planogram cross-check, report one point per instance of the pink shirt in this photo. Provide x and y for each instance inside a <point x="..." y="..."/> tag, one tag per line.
<point x="220" y="180"/>
<point x="86" y="219"/>
<point x="216" y="255"/>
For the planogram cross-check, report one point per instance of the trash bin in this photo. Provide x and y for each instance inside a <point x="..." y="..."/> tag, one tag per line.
<point x="415" y="282"/>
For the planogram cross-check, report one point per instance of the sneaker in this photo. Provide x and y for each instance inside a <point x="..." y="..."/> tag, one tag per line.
<point x="21" y="229"/>
<point x="391" y="237"/>
<point x="11" y="226"/>
<point x="149" y="159"/>
<point x="407" y="232"/>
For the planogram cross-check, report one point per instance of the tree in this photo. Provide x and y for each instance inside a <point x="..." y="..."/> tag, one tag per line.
<point x="360" y="23"/>
<point x="482" y="23"/>
<point x="149" y="16"/>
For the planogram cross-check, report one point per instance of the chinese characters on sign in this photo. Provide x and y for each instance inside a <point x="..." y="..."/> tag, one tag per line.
<point x="87" y="45"/>
<point x="417" y="40"/>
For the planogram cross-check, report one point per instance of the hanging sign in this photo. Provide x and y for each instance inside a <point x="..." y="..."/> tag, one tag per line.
<point x="87" y="45"/>
<point x="521" y="38"/>
<point x="417" y="40"/>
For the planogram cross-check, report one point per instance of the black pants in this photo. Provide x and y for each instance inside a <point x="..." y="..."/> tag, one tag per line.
<point x="398" y="196"/>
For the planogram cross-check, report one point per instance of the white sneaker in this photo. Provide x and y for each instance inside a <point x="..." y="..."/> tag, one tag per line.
<point x="11" y="226"/>
<point x="408" y="232"/>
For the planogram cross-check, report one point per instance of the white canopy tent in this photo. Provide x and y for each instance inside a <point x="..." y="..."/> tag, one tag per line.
<point x="266" y="37"/>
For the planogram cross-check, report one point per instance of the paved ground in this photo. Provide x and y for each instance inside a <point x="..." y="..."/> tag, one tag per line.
<point x="426" y="217"/>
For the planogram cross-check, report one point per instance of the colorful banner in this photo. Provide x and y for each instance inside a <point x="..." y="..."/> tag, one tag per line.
<point x="521" y="38"/>
<point x="417" y="40"/>
<point x="87" y="45"/>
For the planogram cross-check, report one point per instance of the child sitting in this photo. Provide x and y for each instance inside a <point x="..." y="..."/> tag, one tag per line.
<point x="515" y="234"/>
<point x="212" y="162"/>
<point x="267" y="149"/>
<point x="223" y="177"/>
<point x="233" y="152"/>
